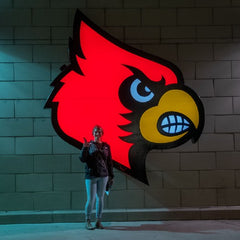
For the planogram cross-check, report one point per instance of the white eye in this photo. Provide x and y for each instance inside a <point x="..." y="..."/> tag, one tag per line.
<point x="145" y="95"/>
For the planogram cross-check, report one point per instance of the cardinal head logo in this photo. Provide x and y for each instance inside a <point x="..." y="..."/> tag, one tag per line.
<point x="139" y="99"/>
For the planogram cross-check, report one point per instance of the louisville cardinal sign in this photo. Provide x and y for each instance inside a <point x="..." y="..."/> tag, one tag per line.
<point x="139" y="99"/>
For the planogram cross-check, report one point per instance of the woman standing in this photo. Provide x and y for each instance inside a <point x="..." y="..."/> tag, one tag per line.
<point x="98" y="171"/>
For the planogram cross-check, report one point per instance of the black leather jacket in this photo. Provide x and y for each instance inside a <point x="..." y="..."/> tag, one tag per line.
<point x="98" y="160"/>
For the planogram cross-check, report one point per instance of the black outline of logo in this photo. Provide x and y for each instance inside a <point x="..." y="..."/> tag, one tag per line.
<point x="138" y="153"/>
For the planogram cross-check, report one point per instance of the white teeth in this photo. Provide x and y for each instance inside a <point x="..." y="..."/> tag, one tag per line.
<point x="174" y="124"/>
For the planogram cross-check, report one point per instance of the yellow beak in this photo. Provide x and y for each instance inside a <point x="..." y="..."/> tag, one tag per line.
<point x="175" y="115"/>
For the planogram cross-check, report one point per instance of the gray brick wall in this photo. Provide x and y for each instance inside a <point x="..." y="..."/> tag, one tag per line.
<point x="39" y="171"/>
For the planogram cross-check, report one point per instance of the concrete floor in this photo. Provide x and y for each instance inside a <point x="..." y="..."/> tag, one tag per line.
<point x="157" y="230"/>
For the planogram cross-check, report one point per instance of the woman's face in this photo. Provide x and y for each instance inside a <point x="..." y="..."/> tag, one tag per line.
<point x="97" y="133"/>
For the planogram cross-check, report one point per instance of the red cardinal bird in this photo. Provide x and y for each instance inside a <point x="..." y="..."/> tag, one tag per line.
<point x="138" y="99"/>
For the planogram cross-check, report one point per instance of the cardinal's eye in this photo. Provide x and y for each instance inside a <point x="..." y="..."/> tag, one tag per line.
<point x="140" y="92"/>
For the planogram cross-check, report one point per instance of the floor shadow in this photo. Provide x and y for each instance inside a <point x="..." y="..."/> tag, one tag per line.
<point x="202" y="227"/>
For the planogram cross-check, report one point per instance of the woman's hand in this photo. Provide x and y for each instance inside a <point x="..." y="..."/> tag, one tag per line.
<point x="85" y="143"/>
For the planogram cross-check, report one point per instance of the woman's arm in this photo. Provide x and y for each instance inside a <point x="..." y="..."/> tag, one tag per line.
<point x="110" y="164"/>
<point x="84" y="153"/>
